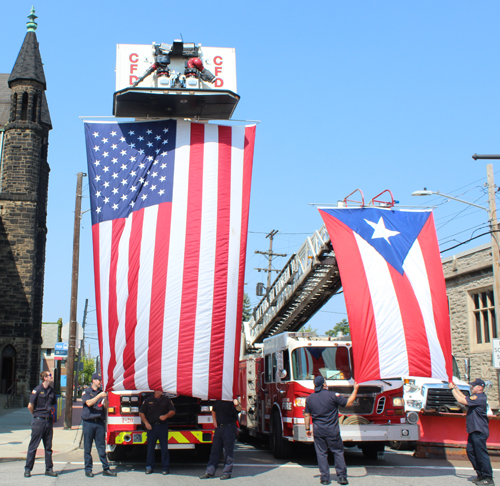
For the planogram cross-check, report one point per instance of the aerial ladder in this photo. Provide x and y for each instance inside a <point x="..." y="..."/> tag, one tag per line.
<point x="307" y="281"/>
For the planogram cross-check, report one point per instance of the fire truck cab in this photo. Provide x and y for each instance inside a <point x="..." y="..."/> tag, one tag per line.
<point x="275" y="381"/>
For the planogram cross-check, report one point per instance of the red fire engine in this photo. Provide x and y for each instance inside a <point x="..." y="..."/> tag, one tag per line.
<point x="190" y="428"/>
<point x="275" y="381"/>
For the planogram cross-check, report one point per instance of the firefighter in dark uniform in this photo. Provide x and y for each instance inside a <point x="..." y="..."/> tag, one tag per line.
<point x="95" y="403"/>
<point x="224" y="416"/>
<point x="323" y="406"/>
<point x="476" y="423"/>
<point x="42" y="399"/>
<point x="155" y="412"/>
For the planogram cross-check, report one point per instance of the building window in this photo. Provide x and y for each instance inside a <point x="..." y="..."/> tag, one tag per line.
<point x="34" y="108"/>
<point x="24" y="106"/>
<point x="483" y="325"/>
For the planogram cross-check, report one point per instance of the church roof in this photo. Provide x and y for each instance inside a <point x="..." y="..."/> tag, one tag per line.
<point x="4" y="99"/>
<point x="28" y="64"/>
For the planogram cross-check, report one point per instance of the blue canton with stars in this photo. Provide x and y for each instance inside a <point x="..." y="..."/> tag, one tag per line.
<point x="391" y="233"/>
<point x="131" y="166"/>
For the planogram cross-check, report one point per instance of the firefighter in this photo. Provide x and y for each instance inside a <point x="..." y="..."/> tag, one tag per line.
<point x="42" y="399"/>
<point x="224" y="416"/>
<point x="155" y="412"/>
<point x="95" y="403"/>
<point x="476" y="423"/>
<point x="323" y="406"/>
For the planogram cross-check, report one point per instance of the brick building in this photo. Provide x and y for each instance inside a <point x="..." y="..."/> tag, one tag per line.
<point x="469" y="285"/>
<point x="24" y="174"/>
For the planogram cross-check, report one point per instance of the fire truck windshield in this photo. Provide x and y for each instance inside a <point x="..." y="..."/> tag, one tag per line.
<point x="331" y="362"/>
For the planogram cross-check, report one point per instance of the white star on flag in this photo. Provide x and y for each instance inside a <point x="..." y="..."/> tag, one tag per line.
<point x="381" y="231"/>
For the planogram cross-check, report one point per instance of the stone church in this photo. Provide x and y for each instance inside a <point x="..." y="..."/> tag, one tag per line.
<point x="24" y="176"/>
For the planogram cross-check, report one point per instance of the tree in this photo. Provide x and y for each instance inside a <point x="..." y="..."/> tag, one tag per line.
<point x="343" y="326"/>
<point x="307" y="328"/>
<point x="247" y="310"/>
<point x="88" y="370"/>
<point x="59" y="329"/>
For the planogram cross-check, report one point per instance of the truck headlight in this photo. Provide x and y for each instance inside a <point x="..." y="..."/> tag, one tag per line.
<point x="398" y="402"/>
<point x="205" y="408"/>
<point x="125" y="409"/>
<point x="415" y="404"/>
<point x="134" y="409"/>
<point x="300" y="401"/>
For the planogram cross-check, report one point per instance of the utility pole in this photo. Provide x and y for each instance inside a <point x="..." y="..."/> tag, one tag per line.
<point x="495" y="250"/>
<point x="270" y="255"/>
<point x="81" y="351"/>
<point x="70" y="363"/>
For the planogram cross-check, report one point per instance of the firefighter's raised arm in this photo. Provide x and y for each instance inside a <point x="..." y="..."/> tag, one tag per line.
<point x="352" y="396"/>
<point x="457" y="394"/>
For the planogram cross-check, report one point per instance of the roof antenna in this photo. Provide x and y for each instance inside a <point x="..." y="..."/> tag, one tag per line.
<point x="182" y="39"/>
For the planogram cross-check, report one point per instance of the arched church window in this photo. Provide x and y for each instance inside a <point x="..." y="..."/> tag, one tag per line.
<point x="34" y="108"/>
<point x="13" y="108"/>
<point x="24" y="107"/>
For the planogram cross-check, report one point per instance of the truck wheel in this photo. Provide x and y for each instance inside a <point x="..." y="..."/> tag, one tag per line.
<point x="371" y="450"/>
<point x="403" y="445"/>
<point x="280" y="447"/>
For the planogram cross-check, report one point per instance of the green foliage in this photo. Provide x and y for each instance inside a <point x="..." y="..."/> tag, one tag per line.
<point x="88" y="370"/>
<point x="247" y="310"/>
<point x="343" y="326"/>
<point x="308" y="328"/>
<point x="59" y="329"/>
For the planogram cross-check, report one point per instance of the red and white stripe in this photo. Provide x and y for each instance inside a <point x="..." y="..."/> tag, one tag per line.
<point x="169" y="278"/>
<point x="399" y="323"/>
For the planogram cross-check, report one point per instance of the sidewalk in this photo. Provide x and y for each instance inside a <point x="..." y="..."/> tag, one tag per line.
<point x="15" y="434"/>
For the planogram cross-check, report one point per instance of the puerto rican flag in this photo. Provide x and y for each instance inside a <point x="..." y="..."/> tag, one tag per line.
<point x="395" y="293"/>
<point x="169" y="202"/>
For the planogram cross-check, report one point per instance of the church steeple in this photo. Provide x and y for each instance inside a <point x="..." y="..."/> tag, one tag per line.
<point x="29" y="65"/>
<point x="24" y="179"/>
<point x="27" y="81"/>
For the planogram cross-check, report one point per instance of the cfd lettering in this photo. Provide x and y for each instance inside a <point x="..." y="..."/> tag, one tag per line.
<point x="134" y="59"/>
<point x="218" y="61"/>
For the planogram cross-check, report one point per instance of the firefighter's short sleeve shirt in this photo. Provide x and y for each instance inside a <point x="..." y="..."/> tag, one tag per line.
<point x="323" y="406"/>
<point x="225" y="412"/>
<point x="43" y="399"/>
<point x="153" y="408"/>
<point x="477" y="418"/>
<point x="95" y="411"/>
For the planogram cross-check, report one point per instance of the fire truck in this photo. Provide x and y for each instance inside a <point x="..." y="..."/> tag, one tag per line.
<point x="278" y="364"/>
<point x="275" y="383"/>
<point x="190" y="428"/>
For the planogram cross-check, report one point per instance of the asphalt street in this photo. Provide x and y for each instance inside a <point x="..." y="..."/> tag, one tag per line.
<point x="254" y="464"/>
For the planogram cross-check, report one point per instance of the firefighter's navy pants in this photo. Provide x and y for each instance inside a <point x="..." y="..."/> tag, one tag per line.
<point x="224" y="438"/>
<point x="478" y="454"/>
<point x="41" y="429"/>
<point x="94" y="430"/>
<point x="159" y="431"/>
<point x="334" y="444"/>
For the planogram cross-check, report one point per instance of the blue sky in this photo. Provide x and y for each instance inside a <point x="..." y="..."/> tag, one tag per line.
<point x="372" y="95"/>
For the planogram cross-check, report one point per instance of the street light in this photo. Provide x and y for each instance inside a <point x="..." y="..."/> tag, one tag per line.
<point x="425" y="192"/>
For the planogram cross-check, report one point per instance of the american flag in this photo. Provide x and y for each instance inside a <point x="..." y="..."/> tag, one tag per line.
<point x="395" y="293"/>
<point x="169" y="203"/>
